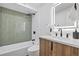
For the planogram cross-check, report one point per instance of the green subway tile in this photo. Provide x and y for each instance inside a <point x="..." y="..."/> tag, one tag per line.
<point x="15" y="27"/>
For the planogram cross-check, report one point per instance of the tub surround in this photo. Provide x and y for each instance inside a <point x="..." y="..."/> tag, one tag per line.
<point x="15" y="27"/>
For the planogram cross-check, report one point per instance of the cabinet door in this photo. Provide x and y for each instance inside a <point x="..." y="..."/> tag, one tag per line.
<point x="69" y="51"/>
<point x="54" y="49"/>
<point x="45" y="47"/>
<point x="74" y="51"/>
<point x="42" y="47"/>
<point x="57" y="49"/>
<point x="64" y="50"/>
<point x="78" y="51"/>
<point x="48" y="48"/>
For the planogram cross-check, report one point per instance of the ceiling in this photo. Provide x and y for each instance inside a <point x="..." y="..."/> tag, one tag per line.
<point x="34" y="5"/>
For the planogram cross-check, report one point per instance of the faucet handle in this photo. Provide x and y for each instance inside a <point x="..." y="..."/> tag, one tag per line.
<point x="67" y="35"/>
<point x="33" y="39"/>
<point x="56" y="34"/>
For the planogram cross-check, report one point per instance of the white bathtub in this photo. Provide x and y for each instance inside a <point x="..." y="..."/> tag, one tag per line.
<point x="19" y="49"/>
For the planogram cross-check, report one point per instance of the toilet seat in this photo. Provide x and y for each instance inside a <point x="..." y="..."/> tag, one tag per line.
<point x="33" y="48"/>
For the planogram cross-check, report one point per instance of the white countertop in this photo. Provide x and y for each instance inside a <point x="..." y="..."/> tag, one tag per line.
<point x="66" y="41"/>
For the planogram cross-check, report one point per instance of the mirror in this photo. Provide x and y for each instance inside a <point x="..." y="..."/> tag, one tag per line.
<point x="61" y="15"/>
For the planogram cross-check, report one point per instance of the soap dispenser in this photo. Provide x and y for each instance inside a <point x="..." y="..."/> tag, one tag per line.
<point x="60" y="32"/>
<point x="75" y="34"/>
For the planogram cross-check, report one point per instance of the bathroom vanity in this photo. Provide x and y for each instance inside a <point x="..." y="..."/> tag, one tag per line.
<point x="58" y="46"/>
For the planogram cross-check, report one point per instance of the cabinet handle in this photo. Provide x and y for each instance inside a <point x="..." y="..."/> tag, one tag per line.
<point x="51" y="46"/>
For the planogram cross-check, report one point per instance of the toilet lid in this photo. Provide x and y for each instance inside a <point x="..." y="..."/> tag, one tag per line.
<point x="33" y="48"/>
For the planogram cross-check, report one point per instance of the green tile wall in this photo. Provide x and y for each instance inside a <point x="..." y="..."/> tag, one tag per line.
<point x="15" y="27"/>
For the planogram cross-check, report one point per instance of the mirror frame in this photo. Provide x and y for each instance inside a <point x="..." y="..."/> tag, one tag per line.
<point x="53" y="20"/>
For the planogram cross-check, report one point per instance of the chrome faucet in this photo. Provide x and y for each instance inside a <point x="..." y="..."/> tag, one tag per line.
<point x="60" y="29"/>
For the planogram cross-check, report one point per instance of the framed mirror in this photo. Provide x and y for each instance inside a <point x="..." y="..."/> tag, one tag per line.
<point x="61" y="16"/>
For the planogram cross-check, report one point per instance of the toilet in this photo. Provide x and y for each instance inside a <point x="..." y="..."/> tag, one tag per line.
<point x="33" y="50"/>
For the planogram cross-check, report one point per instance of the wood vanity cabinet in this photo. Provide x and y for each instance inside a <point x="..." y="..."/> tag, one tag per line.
<point x="49" y="48"/>
<point x="45" y="48"/>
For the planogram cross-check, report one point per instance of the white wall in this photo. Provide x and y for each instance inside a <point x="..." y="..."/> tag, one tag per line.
<point x="35" y="27"/>
<point x="42" y="20"/>
<point x="45" y="17"/>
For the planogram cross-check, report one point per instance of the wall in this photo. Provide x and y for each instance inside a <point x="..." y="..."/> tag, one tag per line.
<point x="15" y="27"/>
<point x="44" y="17"/>
<point x="42" y="20"/>
<point x="35" y="27"/>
